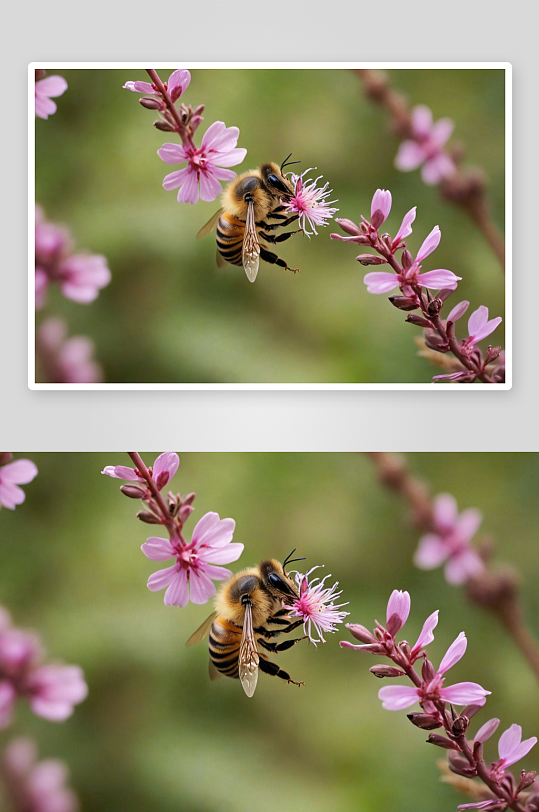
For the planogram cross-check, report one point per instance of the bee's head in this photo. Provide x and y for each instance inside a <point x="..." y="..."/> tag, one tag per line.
<point x="275" y="181"/>
<point x="276" y="580"/>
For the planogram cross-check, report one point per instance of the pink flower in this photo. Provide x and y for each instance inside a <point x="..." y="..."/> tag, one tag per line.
<point x="162" y="471"/>
<point x="177" y="84"/>
<point x="190" y="576"/>
<point x="310" y="203"/>
<point x="218" y="149"/>
<point x="511" y="748"/>
<point x="12" y="475"/>
<point x="54" y="690"/>
<point x="479" y="326"/>
<point x="380" y="207"/>
<point x="451" y="541"/>
<point x="66" y="360"/>
<point x="45" y="89"/>
<point x="316" y="606"/>
<point x="18" y="649"/>
<point x="426" y="147"/>
<point x="383" y="282"/>
<point x="81" y="277"/>
<point x="398" y="697"/>
<point x="36" y="787"/>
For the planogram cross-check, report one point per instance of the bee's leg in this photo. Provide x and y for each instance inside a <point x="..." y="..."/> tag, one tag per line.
<point x="282" y="218"/>
<point x="285" y="627"/>
<point x="273" y="259"/>
<point x="275" y="647"/>
<point x="270" y="668"/>
<point x="280" y="238"/>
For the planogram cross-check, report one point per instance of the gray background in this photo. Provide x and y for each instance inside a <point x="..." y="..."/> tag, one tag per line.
<point x="270" y="420"/>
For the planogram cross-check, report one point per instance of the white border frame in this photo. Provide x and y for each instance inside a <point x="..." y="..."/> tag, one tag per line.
<point x="506" y="66"/>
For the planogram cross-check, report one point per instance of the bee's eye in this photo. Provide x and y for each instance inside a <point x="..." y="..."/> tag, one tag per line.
<point x="275" y="580"/>
<point x="274" y="180"/>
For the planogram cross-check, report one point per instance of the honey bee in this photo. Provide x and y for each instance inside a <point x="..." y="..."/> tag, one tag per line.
<point x="249" y="613"/>
<point x="247" y="203"/>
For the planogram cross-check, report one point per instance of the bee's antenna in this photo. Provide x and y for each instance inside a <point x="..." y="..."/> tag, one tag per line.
<point x="286" y="162"/>
<point x="289" y="559"/>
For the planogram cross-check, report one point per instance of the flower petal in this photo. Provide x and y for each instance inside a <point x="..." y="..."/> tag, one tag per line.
<point x="158" y="549"/>
<point x="162" y="578"/>
<point x="429" y="244"/>
<point x="439" y="279"/>
<point x="398" y="604"/>
<point x="464" y="693"/>
<point x="454" y="653"/>
<point x="431" y="552"/>
<point x="426" y="635"/>
<point x="172" y="153"/>
<point x="409" y="156"/>
<point x="397" y="697"/>
<point x="202" y="587"/>
<point x="406" y="226"/>
<point x="463" y="566"/>
<point x="19" y="472"/>
<point x="381" y="281"/>
<point x="178" y="592"/>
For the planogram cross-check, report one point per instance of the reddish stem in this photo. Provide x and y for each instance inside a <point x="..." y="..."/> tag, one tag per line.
<point x="168" y="521"/>
<point x="181" y="129"/>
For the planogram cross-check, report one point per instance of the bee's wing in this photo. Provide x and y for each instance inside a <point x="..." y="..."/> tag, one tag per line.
<point x="202" y="631"/>
<point x="249" y="658"/>
<point x="220" y="260"/>
<point x="210" y="225"/>
<point x="251" y="247"/>
<point x="214" y="673"/>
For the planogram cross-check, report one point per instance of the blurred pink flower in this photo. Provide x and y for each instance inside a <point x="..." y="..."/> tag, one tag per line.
<point x="36" y="787"/>
<point x="13" y="474"/>
<point x="218" y="149"/>
<point x="398" y="697"/>
<point x="80" y="276"/>
<point x="383" y="282"/>
<point x="426" y="147"/>
<point x="162" y="471"/>
<point x="8" y="695"/>
<point x="177" y="84"/>
<point x="45" y="88"/>
<point x="190" y="576"/>
<point x="53" y="690"/>
<point x="479" y="326"/>
<point x="66" y="360"/>
<point x="18" y="650"/>
<point x="316" y="606"/>
<point x="451" y="541"/>
<point x="310" y="203"/>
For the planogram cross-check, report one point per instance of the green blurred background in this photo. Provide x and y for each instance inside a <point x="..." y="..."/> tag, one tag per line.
<point x="155" y="734"/>
<point x="170" y="316"/>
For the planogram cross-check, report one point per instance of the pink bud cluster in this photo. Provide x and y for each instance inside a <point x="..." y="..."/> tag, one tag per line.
<point x="197" y="563"/>
<point x="79" y="276"/>
<point x="63" y="359"/>
<point x="470" y="364"/>
<point x="32" y="785"/>
<point x="50" y="689"/>
<point x="316" y="606"/>
<point x="437" y="700"/>
<point x="206" y="165"/>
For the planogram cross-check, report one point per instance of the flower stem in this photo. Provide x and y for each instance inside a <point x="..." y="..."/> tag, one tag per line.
<point x="173" y="110"/>
<point x="497" y="592"/>
<point x="168" y="521"/>
<point x="467" y="190"/>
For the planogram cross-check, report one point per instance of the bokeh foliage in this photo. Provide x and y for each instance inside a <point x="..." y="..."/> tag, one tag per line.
<point x="154" y="733"/>
<point x="170" y="315"/>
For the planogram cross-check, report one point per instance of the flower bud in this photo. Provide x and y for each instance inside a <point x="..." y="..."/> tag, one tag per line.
<point x="162" y="480"/>
<point x="460" y="765"/>
<point x="404" y="302"/>
<point x="185" y="512"/>
<point x="492" y="354"/>
<point x="377" y="219"/>
<point x="382" y="671"/>
<point x="370" y="259"/>
<point x="435" y="305"/>
<point x="148" y="517"/>
<point x="434" y="341"/>
<point x="194" y="122"/>
<point x="532" y="804"/>
<point x="460" y="725"/>
<point x="426" y="721"/>
<point x="5" y="457"/>
<point x="176" y="93"/>
<point x="133" y="491"/>
<point x="164" y="126"/>
<point x="441" y="741"/>
<point x="412" y="318"/>
<point x="445" y="293"/>
<point x="150" y="103"/>
<point x="404" y="648"/>
<point x="407" y="260"/>
<point x="361" y="633"/>
<point x="526" y="779"/>
<point x="427" y="670"/>
<point x="188" y="500"/>
<point x="348" y="226"/>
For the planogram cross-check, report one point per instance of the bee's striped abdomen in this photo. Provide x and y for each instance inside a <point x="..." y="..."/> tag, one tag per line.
<point x="230" y="233"/>
<point x="224" y="647"/>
